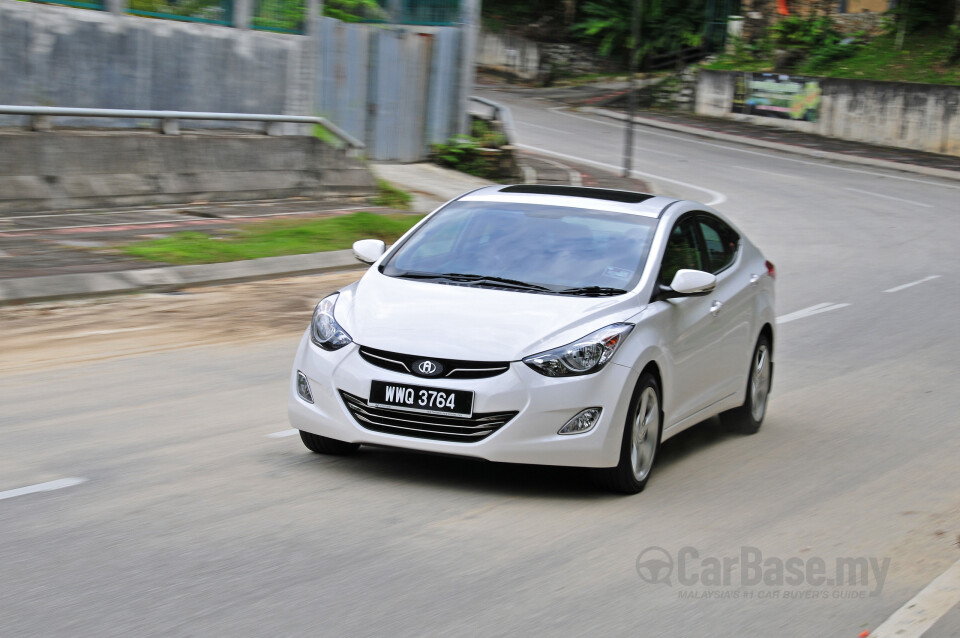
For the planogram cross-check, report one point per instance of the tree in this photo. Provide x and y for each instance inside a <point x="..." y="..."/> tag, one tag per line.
<point x="666" y="25"/>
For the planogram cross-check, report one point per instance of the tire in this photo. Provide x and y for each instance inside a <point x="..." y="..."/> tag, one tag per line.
<point x="325" y="445"/>
<point x="640" y="443"/>
<point x="748" y="418"/>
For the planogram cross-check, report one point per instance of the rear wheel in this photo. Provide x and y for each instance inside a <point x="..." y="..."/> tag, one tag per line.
<point x="641" y="440"/>
<point x="325" y="445"/>
<point x="748" y="418"/>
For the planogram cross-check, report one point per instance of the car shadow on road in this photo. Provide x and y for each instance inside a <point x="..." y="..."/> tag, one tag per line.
<point x="393" y="466"/>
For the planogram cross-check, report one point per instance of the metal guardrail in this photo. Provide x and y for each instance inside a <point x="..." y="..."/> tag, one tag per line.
<point x="502" y="113"/>
<point x="169" y="120"/>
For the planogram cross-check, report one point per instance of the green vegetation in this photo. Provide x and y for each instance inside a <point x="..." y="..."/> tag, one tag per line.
<point x="271" y="239"/>
<point x="475" y="154"/>
<point x="665" y="26"/>
<point x="354" y="10"/>
<point x="280" y="15"/>
<point x="325" y="134"/>
<point x="806" y="45"/>
<point x="920" y="43"/>
<point x="390" y="196"/>
<point x="925" y="57"/>
<point x="198" y="9"/>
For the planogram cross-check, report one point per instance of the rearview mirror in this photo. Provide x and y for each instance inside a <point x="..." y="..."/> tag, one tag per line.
<point x="368" y="250"/>
<point x="688" y="283"/>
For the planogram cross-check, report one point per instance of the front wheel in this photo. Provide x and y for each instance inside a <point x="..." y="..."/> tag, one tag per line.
<point x="326" y="445"/>
<point x="641" y="440"/>
<point x="748" y="418"/>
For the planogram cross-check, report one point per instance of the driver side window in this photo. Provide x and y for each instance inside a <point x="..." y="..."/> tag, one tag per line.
<point x="682" y="250"/>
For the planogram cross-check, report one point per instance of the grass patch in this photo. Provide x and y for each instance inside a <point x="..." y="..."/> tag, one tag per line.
<point x="924" y="58"/>
<point x="389" y="196"/>
<point x="272" y="239"/>
<point x="322" y="132"/>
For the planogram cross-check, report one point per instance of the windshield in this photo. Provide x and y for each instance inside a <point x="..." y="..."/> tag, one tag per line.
<point x="529" y="247"/>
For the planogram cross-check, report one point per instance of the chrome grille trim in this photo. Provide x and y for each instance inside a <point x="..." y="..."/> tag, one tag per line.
<point x="452" y="368"/>
<point x="388" y="360"/>
<point x="424" y="426"/>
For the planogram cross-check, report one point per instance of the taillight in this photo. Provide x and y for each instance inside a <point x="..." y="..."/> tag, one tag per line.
<point x="771" y="270"/>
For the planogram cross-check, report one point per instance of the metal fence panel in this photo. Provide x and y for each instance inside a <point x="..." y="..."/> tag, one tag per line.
<point x="442" y="106"/>
<point x="399" y="89"/>
<point x="344" y="53"/>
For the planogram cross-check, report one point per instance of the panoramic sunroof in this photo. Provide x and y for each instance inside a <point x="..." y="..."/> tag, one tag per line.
<point x="625" y="197"/>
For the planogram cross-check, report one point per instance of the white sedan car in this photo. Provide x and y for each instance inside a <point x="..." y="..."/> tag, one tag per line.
<point x="543" y="324"/>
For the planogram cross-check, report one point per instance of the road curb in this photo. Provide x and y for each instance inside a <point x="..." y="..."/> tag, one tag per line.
<point x="49" y="287"/>
<point x="779" y="146"/>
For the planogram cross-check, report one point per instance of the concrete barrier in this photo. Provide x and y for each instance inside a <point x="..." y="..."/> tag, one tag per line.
<point x="58" y="170"/>
<point x="924" y="117"/>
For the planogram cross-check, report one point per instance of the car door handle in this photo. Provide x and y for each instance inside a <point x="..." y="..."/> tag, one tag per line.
<point x="754" y="280"/>
<point x="715" y="308"/>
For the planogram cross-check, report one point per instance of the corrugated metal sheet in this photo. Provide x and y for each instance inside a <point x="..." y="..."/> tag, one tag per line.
<point x="442" y="105"/>
<point x="394" y="88"/>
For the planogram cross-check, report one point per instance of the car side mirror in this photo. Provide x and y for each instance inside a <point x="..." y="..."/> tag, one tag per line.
<point x="368" y="250"/>
<point x="688" y="283"/>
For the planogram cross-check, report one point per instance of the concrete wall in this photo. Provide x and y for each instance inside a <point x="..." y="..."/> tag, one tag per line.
<point x="509" y="53"/>
<point x="923" y="117"/>
<point x="47" y="171"/>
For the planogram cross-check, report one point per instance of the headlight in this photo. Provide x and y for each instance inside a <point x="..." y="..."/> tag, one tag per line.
<point x="324" y="329"/>
<point x="584" y="356"/>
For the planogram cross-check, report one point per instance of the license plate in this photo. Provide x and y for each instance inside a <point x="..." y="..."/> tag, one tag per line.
<point x="418" y="398"/>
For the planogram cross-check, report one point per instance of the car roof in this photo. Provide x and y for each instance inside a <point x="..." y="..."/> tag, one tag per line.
<point x="606" y="199"/>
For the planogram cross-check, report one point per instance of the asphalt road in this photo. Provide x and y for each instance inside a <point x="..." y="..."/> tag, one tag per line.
<point x="192" y="520"/>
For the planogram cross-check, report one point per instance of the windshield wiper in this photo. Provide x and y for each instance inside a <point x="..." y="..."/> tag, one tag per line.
<point x="477" y="279"/>
<point x="592" y="291"/>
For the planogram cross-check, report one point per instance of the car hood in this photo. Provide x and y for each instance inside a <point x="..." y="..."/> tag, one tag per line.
<point x="467" y="322"/>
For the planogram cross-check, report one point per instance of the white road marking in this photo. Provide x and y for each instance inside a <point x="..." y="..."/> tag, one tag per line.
<point x="718" y="197"/>
<point x="809" y="312"/>
<point x="687" y="138"/>
<point x="912" y="283"/>
<point x="760" y="170"/>
<point x="636" y="148"/>
<point x="91" y="333"/>
<point x="923" y="610"/>
<point x="573" y="175"/>
<point x="283" y="434"/>
<point x="896" y="199"/>
<point x="59" y="484"/>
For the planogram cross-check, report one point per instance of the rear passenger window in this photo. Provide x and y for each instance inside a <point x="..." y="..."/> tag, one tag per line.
<point x="720" y="241"/>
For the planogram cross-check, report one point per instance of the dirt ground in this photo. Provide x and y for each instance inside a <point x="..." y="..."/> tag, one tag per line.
<point x="77" y="331"/>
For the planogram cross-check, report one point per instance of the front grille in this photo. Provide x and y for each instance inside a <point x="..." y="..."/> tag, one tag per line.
<point x="425" y="426"/>
<point x="452" y="368"/>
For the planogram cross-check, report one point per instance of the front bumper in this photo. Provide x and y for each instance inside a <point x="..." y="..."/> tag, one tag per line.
<point x="543" y="404"/>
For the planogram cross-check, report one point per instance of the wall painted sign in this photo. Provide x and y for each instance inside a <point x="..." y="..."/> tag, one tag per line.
<point x="787" y="97"/>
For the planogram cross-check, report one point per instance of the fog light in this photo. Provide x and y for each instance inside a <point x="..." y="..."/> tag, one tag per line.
<point x="583" y="422"/>
<point x="303" y="387"/>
